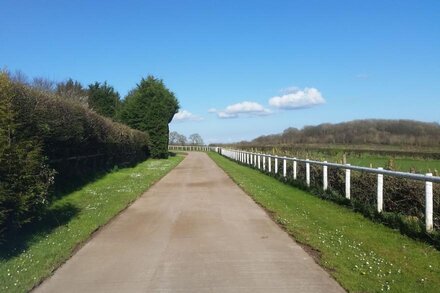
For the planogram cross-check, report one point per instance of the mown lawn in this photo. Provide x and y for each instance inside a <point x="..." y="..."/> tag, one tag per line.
<point x="71" y="221"/>
<point x="361" y="255"/>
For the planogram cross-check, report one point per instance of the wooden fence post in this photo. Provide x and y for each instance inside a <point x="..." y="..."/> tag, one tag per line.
<point x="324" y="177"/>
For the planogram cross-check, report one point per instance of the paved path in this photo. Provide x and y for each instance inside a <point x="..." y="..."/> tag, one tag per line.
<point x="194" y="231"/>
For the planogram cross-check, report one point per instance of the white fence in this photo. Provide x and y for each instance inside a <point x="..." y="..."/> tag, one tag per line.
<point x="199" y="148"/>
<point x="258" y="160"/>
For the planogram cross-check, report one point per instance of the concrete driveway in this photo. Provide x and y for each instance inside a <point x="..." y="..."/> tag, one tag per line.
<point x="194" y="231"/>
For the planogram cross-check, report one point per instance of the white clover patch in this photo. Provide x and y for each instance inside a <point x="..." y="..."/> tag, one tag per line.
<point x="135" y="175"/>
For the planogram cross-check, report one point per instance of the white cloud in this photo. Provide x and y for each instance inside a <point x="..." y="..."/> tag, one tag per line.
<point x="243" y="108"/>
<point x="185" y="115"/>
<point x="294" y="98"/>
<point x="226" y="115"/>
<point x="212" y="110"/>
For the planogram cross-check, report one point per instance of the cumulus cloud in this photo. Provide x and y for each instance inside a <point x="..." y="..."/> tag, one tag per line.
<point x="185" y="115"/>
<point x="294" y="98"/>
<point x="226" y="115"/>
<point x="244" y="108"/>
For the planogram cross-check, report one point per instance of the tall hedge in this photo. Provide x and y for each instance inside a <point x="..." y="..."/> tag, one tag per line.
<point x="150" y="107"/>
<point x="40" y="134"/>
<point x="78" y="141"/>
<point x="25" y="178"/>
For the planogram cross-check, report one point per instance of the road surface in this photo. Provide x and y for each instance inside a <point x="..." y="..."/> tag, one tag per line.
<point x="193" y="231"/>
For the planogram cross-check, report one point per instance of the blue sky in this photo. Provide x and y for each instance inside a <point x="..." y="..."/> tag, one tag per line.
<point x="295" y="63"/>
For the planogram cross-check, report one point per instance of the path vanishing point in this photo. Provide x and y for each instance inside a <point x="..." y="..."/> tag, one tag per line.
<point x="193" y="231"/>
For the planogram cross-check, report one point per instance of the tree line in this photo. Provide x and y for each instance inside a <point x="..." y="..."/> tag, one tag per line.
<point x="180" y="139"/>
<point x="148" y="107"/>
<point x="359" y="132"/>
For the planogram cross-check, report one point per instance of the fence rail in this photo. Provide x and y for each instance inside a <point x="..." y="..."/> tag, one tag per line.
<point x="201" y="148"/>
<point x="258" y="161"/>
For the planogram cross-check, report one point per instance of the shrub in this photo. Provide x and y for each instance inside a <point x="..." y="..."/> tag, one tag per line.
<point x="150" y="107"/>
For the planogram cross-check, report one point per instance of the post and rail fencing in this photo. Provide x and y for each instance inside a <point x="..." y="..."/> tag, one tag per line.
<point x="259" y="160"/>
<point x="199" y="148"/>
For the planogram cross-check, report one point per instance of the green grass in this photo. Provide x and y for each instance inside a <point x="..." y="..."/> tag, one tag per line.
<point x="400" y="163"/>
<point x="403" y="163"/>
<point x="34" y="255"/>
<point x="362" y="256"/>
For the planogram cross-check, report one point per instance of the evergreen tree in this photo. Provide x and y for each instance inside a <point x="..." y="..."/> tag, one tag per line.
<point x="103" y="99"/>
<point x="150" y="107"/>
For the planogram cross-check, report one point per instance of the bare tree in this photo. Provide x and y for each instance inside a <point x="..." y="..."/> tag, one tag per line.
<point x="18" y="76"/>
<point x="43" y="84"/>
<point x="176" y="138"/>
<point x="173" y="137"/>
<point x="72" y="90"/>
<point x="195" y="139"/>
<point x="181" y="140"/>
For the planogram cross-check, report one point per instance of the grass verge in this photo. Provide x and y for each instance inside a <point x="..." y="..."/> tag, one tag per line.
<point x="362" y="256"/>
<point x="71" y="220"/>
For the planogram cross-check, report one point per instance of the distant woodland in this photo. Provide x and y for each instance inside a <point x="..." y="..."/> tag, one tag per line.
<point x="359" y="132"/>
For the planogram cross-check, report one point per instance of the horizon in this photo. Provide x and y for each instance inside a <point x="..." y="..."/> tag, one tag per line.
<point x="241" y="70"/>
<point x="335" y="124"/>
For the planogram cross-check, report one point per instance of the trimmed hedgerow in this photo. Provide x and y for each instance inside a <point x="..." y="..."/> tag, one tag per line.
<point x="42" y="134"/>
<point x="25" y="178"/>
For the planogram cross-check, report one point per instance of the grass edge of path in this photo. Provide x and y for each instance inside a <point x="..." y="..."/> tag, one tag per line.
<point x="368" y="258"/>
<point x="126" y="186"/>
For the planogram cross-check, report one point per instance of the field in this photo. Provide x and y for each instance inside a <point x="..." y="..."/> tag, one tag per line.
<point x="414" y="160"/>
<point x="363" y="256"/>
<point x="400" y="163"/>
<point x="71" y="220"/>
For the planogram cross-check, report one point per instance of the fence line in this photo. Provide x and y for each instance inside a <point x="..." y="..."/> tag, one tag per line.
<point x="200" y="148"/>
<point x="255" y="159"/>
